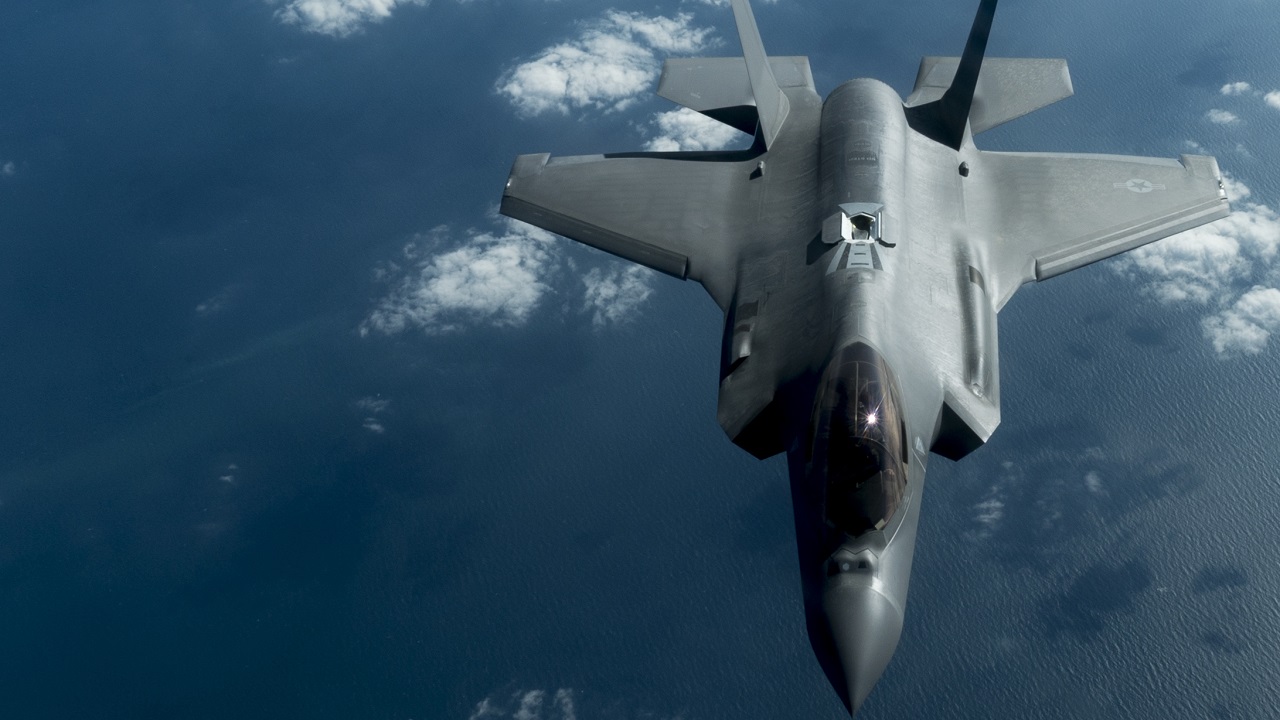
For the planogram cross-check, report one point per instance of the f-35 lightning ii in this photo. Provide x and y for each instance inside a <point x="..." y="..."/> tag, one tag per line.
<point x="860" y="250"/>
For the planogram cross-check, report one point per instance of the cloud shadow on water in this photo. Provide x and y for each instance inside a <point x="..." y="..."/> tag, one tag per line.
<point x="1220" y="642"/>
<point x="1081" y="350"/>
<point x="1033" y="510"/>
<point x="1209" y="70"/>
<point x="1100" y="593"/>
<point x="1211" y="578"/>
<point x="1150" y="336"/>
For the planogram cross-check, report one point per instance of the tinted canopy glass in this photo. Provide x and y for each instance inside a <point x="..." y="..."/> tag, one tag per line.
<point x="858" y="442"/>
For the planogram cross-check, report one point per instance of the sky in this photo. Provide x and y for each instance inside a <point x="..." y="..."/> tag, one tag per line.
<point x="284" y="398"/>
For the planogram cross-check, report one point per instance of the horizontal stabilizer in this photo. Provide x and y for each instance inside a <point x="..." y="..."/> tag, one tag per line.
<point x="1007" y="88"/>
<point x="720" y="87"/>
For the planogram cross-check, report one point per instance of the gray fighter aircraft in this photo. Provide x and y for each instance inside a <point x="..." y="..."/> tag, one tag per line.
<point x="860" y="251"/>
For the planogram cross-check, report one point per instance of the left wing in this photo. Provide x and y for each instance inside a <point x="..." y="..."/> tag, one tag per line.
<point x="1043" y="214"/>
<point x="674" y="212"/>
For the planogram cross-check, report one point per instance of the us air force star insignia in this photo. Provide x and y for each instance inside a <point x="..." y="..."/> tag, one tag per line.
<point x="1139" y="185"/>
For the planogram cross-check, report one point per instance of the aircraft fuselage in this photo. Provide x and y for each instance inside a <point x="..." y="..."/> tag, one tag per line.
<point x="855" y="579"/>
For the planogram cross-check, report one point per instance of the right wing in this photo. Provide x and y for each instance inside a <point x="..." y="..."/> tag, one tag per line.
<point x="674" y="212"/>
<point x="1044" y="214"/>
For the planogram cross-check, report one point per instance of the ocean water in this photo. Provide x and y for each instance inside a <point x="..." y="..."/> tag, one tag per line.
<point x="197" y="521"/>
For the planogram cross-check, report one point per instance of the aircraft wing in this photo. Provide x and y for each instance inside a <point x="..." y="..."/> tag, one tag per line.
<point x="1045" y="214"/>
<point x="674" y="212"/>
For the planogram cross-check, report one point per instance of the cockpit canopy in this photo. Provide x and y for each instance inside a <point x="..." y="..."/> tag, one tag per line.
<point x="858" y="442"/>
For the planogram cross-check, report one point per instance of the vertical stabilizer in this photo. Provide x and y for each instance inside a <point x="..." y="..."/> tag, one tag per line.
<point x="771" y="104"/>
<point x="945" y="119"/>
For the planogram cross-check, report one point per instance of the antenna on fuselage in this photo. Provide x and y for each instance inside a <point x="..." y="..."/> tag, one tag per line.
<point x="944" y="119"/>
<point x="771" y="104"/>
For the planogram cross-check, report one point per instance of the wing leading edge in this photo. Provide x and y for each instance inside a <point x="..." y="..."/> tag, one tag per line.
<point x="1044" y="214"/>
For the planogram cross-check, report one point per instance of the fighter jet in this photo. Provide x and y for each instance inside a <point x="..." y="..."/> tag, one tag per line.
<point x="861" y="249"/>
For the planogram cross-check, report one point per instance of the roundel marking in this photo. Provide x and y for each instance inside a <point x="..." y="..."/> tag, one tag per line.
<point x="1138" y="185"/>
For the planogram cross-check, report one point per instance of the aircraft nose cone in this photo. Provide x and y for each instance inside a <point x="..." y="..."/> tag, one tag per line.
<point x="865" y="628"/>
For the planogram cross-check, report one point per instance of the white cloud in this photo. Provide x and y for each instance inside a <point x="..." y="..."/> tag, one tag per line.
<point x="990" y="511"/>
<point x="9" y="169"/>
<point x="1229" y="266"/>
<point x="373" y="404"/>
<point x="338" y="18"/>
<point x="217" y="302"/>
<point x="1236" y="190"/>
<point x="1246" y="326"/>
<point x="1195" y="265"/>
<point x="605" y="68"/>
<point x="530" y="706"/>
<point x="496" y="279"/>
<point x="564" y="701"/>
<point x="484" y="709"/>
<point x="670" y="35"/>
<point x="1221" y="117"/>
<point x="488" y="280"/>
<point x="685" y="129"/>
<point x="1093" y="481"/>
<point x="613" y="297"/>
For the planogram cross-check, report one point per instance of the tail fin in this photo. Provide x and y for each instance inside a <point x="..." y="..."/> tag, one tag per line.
<point x="944" y="119"/>
<point x="771" y="103"/>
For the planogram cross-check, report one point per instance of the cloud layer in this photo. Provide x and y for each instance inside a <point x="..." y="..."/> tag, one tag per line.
<point x="528" y="705"/>
<point x="1227" y="266"/>
<point x="494" y="279"/>
<point x="490" y="279"/>
<point x="1247" y="325"/>
<point x="685" y="129"/>
<point x="1221" y="117"/>
<point x="1242" y="89"/>
<point x="613" y="297"/>
<point x="610" y="63"/>
<point x="338" y="18"/>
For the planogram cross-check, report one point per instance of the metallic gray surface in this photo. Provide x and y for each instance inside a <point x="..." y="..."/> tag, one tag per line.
<point x="864" y="626"/>
<point x="771" y="103"/>
<point x="862" y="221"/>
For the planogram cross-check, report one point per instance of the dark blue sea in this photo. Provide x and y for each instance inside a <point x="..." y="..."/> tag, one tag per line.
<point x="230" y="488"/>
